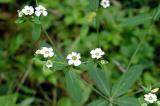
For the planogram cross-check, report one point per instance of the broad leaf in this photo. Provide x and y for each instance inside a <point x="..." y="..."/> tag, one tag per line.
<point x="100" y="102"/>
<point x="102" y="81"/>
<point x="36" y="31"/>
<point x="127" y="80"/>
<point x="75" y="86"/>
<point x="93" y="5"/>
<point x="124" y="101"/>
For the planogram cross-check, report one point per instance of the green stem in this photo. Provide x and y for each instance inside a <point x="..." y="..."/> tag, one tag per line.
<point x="136" y="51"/>
<point x="25" y="75"/>
<point x="141" y="42"/>
<point x="53" y="45"/>
<point x="36" y="2"/>
<point x="86" y="62"/>
<point x="97" y="28"/>
<point x="60" y="62"/>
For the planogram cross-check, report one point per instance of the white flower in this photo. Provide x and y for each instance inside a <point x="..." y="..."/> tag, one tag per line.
<point x="150" y="98"/>
<point x="47" y="52"/>
<point x="20" y="13"/>
<point x="105" y="3"/>
<point x="28" y="10"/>
<point x="155" y="90"/>
<point x="49" y="64"/>
<point x="74" y="59"/>
<point x="97" y="53"/>
<point x="41" y="10"/>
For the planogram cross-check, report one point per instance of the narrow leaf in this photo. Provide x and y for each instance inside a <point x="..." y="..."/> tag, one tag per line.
<point x="93" y="4"/>
<point x="102" y="82"/>
<point x="157" y="13"/>
<point x="127" y="80"/>
<point x="137" y="20"/>
<point x="123" y="101"/>
<point x="36" y="31"/>
<point x="100" y="102"/>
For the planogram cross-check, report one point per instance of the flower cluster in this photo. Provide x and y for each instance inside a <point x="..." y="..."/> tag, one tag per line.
<point x="73" y="59"/>
<point x="105" y="3"/>
<point x="46" y="53"/>
<point x="29" y="11"/>
<point x="151" y="97"/>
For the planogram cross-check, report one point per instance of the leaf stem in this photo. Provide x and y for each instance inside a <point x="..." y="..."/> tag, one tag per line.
<point x="25" y="75"/>
<point x="97" y="28"/>
<point x="141" y="42"/>
<point x="52" y="43"/>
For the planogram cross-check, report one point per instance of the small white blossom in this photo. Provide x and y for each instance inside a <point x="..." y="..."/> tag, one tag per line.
<point x="49" y="64"/>
<point x="155" y="90"/>
<point x="97" y="53"/>
<point x="47" y="52"/>
<point x="20" y="13"/>
<point x="74" y="59"/>
<point x="150" y="98"/>
<point x="28" y="10"/>
<point x="105" y="3"/>
<point x="40" y="10"/>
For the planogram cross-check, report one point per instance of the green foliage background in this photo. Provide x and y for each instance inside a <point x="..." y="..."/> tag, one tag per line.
<point x="71" y="25"/>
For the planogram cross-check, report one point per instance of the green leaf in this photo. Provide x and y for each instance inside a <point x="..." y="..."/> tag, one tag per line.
<point x="15" y="43"/>
<point x="93" y="5"/>
<point x="157" y="13"/>
<point x="100" y="102"/>
<point x="124" y="101"/>
<point x="64" y="101"/>
<point x="36" y="31"/>
<point x="8" y="100"/>
<point x="127" y="80"/>
<point x="73" y="85"/>
<point x="102" y="81"/>
<point x="26" y="102"/>
<point x="6" y="1"/>
<point x="137" y="20"/>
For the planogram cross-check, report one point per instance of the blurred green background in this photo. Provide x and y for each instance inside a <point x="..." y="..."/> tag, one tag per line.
<point x="71" y="25"/>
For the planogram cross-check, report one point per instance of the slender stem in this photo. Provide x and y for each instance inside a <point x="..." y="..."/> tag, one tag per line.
<point x="52" y="43"/>
<point x="25" y="76"/>
<point x="86" y="62"/>
<point x="136" y="51"/>
<point x="36" y="2"/>
<point x="60" y="62"/>
<point x="50" y="40"/>
<point x="97" y="28"/>
<point x="141" y="42"/>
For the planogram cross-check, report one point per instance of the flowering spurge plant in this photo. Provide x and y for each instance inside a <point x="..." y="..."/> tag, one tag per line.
<point x="110" y="94"/>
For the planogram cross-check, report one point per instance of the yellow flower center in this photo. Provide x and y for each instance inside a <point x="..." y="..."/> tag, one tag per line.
<point x="74" y="58"/>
